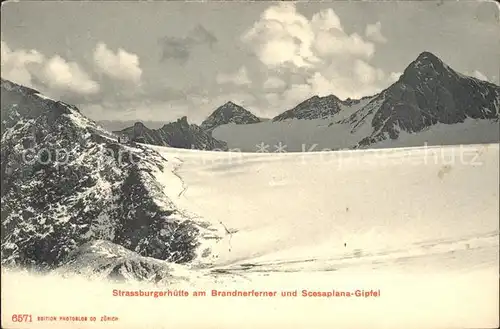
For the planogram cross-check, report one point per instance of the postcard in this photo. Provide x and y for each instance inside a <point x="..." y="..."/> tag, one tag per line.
<point x="250" y="164"/>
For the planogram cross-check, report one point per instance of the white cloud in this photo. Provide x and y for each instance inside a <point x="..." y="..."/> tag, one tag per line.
<point x="479" y="75"/>
<point x="367" y="74"/>
<point x="59" y="74"/>
<point x="374" y="32"/>
<point x="272" y="98"/>
<point x="121" y="65"/>
<point x="238" y="78"/>
<point x="330" y="60"/>
<point x="282" y="36"/>
<point x="296" y="94"/>
<point x="274" y="83"/>
<point x="326" y="20"/>
<point x="56" y="74"/>
<point x="335" y="43"/>
<point x="15" y="64"/>
<point x="394" y="76"/>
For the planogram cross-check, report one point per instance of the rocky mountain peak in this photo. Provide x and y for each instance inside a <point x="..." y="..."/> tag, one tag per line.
<point x="427" y="56"/>
<point x="430" y="92"/>
<point x="183" y="121"/>
<point x="425" y="67"/>
<point x="229" y="109"/>
<point x="178" y="134"/>
<point x="230" y="112"/>
<point x="230" y="104"/>
<point x="315" y="107"/>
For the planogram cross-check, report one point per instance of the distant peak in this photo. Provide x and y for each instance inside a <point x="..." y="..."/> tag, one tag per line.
<point x="425" y="65"/>
<point x="427" y="57"/>
<point x="317" y="98"/>
<point x="229" y="107"/>
<point x="183" y="119"/>
<point x="230" y="103"/>
<point x="139" y="124"/>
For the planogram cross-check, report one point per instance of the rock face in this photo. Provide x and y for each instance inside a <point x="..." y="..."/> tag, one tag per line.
<point x="65" y="183"/>
<point x="319" y="108"/>
<point x="313" y="108"/>
<point x="430" y="92"/>
<point x="102" y="259"/>
<point x="179" y="134"/>
<point x="142" y="134"/>
<point x="229" y="113"/>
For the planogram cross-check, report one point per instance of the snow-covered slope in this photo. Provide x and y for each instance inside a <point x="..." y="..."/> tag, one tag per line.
<point x="417" y="225"/>
<point x="323" y="134"/>
<point x="101" y="259"/>
<point x="297" y="135"/>
<point x="288" y="207"/>
<point x="323" y="108"/>
<point x="429" y="92"/>
<point x="65" y="183"/>
<point x="429" y="104"/>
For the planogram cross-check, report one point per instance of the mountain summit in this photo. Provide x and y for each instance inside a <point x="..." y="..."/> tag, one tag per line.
<point x="429" y="104"/>
<point x="229" y="113"/>
<point x="178" y="134"/>
<point x="429" y="92"/>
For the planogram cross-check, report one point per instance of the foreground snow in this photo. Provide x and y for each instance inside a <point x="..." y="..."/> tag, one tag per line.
<point x="420" y="226"/>
<point x="299" y="206"/>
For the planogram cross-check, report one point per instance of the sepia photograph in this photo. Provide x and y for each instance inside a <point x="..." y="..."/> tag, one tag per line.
<point x="250" y="164"/>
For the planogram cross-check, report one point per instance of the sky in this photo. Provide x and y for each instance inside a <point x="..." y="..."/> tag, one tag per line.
<point x="158" y="61"/>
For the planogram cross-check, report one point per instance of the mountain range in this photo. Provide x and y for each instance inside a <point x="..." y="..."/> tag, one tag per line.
<point x="67" y="182"/>
<point x="76" y="199"/>
<point x="178" y="134"/>
<point x="429" y="104"/>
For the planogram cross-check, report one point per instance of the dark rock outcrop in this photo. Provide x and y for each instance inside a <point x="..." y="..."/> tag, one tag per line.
<point x="430" y="92"/>
<point x="65" y="182"/>
<point x="178" y="134"/>
<point x="313" y="108"/>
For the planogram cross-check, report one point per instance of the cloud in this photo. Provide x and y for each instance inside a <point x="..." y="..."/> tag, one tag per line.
<point x="367" y="74"/>
<point x="282" y="36"/>
<point x="394" y="76"/>
<point x="274" y="83"/>
<point x="121" y="65"/>
<point x="332" y="44"/>
<point x="238" y="78"/>
<point x="58" y="74"/>
<point x="180" y="48"/>
<point x="330" y="60"/>
<point x="16" y="64"/>
<point x="33" y="69"/>
<point x="295" y="94"/>
<point x="374" y="32"/>
<point x="479" y="75"/>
